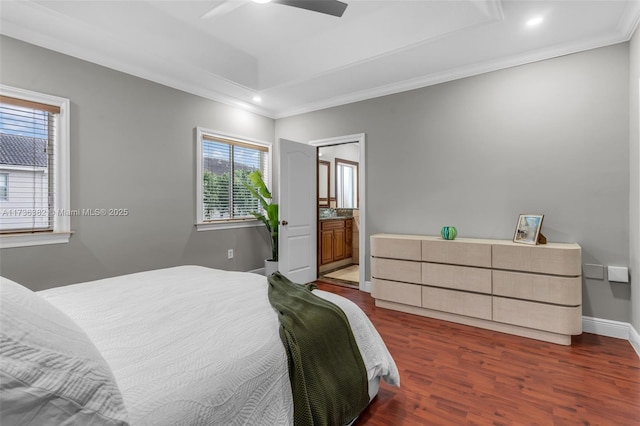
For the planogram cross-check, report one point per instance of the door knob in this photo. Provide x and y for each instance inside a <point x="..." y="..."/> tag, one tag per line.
<point x="284" y="223"/>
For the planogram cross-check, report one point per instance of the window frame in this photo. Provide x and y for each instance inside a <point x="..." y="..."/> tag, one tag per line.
<point x="61" y="197"/>
<point x="201" y="224"/>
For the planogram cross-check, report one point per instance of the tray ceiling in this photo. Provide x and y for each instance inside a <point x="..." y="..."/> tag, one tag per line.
<point x="298" y="61"/>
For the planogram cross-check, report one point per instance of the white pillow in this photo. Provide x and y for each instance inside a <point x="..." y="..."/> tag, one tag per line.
<point x="51" y="373"/>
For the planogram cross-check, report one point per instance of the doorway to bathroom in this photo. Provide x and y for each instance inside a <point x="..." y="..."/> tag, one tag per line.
<point x="340" y="209"/>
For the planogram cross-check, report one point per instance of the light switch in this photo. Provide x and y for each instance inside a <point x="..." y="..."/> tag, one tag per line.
<point x="619" y="274"/>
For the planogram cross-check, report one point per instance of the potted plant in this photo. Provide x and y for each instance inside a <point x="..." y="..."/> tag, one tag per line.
<point x="270" y="216"/>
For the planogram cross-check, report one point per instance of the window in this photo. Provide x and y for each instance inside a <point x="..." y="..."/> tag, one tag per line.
<point x="224" y="163"/>
<point x="4" y="186"/>
<point x="346" y="184"/>
<point x="34" y="154"/>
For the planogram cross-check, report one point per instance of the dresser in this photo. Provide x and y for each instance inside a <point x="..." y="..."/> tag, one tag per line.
<point x="526" y="290"/>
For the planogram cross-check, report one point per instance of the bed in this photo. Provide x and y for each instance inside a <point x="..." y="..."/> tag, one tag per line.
<point x="186" y="345"/>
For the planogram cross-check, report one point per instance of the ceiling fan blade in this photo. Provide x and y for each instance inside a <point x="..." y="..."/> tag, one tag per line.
<point x="223" y="8"/>
<point x="329" y="7"/>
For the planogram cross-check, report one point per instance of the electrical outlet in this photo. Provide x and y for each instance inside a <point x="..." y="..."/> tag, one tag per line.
<point x="230" y="254"/>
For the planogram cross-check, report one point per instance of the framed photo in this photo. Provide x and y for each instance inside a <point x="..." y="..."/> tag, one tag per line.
<point x="528" y="229"/>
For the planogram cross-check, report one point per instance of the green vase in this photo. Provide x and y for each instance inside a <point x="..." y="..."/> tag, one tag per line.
<point x="449" y="232"/>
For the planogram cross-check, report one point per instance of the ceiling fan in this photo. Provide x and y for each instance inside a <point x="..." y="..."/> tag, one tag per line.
<point x="328" y="7"/>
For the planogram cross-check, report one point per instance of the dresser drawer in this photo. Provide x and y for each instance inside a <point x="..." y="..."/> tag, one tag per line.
<point x="457" y="302"/>
<point x="456" y="252"/>
<point x="332" y="224"/>
<point x="539" y="316"/>
<point x="396" y="270"/>
<point x="396" y="248"/>
<point x="542" y="288"/>
<point x="457" y="277"/>
<point x="556" y="259"/>
<point x="408" y="294"/>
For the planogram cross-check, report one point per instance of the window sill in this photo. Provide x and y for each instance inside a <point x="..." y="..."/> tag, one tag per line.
<point x="214" y="226"/>
<point x="36" y="239"/>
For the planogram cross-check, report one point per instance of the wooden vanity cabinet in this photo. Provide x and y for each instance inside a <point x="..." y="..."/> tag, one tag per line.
<point x="348" y="238"/>
<point x="326" y="246"/>
<point x="335" y="240"/>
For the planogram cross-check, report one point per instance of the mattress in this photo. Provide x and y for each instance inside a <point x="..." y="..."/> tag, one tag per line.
<point x="191" y="345"/>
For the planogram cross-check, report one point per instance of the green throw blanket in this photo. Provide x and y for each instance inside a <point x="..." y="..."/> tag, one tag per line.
<point x="327" y="374"/>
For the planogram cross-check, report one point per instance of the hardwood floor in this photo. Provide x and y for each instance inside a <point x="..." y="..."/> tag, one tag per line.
<point x="452" y="374"/>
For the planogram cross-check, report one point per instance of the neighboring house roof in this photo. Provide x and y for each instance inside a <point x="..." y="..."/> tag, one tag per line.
<point x="19" y="150"/>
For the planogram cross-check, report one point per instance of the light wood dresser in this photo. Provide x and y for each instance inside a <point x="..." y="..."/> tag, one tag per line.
<point x="530" y="291"/>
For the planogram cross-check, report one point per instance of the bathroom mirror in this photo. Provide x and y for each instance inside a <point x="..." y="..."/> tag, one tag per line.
<point x="324" y="183"/>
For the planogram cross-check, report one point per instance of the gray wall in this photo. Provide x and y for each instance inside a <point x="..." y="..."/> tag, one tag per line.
<point x="634" y="194"/>
<point x="550" y="137"/>
<point x="132" y="146"/>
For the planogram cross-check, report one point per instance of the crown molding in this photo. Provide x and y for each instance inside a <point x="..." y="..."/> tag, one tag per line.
<point x="201" y="83"/>
<point x="455" y="74"/>
<point x="630" y="18"/>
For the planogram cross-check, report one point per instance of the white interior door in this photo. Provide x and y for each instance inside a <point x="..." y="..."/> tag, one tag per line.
<point x="297" y="236"/>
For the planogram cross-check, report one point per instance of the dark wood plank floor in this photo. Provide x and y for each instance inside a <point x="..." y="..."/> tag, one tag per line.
<point x="459" y="375"/>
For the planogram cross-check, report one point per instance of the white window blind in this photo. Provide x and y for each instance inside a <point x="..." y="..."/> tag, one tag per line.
<point x="226" y="164"/>
<point x="27" y="144"/>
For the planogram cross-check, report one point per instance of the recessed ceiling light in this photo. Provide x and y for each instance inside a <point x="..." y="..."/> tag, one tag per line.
<point x="257" y="98"/>
<point x="534" y="21"/>
<point x="261" y="1"/>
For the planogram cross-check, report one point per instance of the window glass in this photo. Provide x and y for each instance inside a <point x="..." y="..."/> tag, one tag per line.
<point x="27" y="139"/>
<point x="346" y="184"/>
<point x="225" y="164"/>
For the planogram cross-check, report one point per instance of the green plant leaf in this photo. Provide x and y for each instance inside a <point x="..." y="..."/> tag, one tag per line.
<point x="256" y="180"/>
<point x="262" y="219"/>
<point x="257" y="196"/>
<point x="272" y="213"/>
<point x="260" y="192"/>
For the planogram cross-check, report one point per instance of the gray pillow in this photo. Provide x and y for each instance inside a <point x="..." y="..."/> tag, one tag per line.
<point x="51" y="373"/>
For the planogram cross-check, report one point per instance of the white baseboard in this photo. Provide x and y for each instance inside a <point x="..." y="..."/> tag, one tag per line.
<point x="259" y="271"/>
<point x="605" y="327"/>
<point x="367" y="286"/>
<point x="609" y="328"/>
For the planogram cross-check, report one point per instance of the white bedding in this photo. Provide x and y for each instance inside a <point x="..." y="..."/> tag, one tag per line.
<point x="196" y="346"/>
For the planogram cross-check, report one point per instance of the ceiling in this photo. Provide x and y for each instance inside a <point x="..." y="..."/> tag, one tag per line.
<point x="298" y="61"/>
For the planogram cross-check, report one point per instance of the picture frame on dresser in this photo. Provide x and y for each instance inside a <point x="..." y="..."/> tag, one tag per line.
<point x="528" y="229"/>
